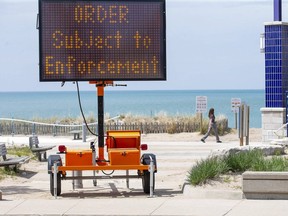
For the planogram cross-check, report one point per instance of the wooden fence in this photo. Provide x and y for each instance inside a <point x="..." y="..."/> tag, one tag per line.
<point x="25" y="128"/>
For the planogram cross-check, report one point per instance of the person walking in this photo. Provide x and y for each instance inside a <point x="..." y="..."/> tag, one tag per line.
<point x="212" y="124"/>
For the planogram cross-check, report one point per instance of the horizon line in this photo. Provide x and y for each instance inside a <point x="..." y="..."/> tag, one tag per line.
<point x="135" y="90"/>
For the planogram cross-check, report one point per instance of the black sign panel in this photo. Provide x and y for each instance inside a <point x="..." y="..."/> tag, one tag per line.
<point x="102" y="40"/>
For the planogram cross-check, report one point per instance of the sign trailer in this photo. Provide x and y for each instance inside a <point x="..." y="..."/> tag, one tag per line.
<point x="102" y="42"/>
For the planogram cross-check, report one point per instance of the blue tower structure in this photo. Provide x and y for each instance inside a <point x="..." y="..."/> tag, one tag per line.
<point x="275" y="45"/>
<point x="276" y="64"/>
<point x="276" y="59"/>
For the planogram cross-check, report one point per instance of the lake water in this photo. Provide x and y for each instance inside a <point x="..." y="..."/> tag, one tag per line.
<point x="29" y="105"/>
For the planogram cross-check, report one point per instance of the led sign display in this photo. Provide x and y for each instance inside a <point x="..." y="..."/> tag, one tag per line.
<point x="102" y="40"/>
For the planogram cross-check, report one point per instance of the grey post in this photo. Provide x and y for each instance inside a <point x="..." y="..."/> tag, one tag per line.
<point x="84" y="132"/>
<point x="55" y="171"/>
<point x="127" y="178"/>
<point x="94" y="164"/>
<point x="33" y="129"/>
<point x="151" y="170"/>
<point x="78" y="179"/>
<point x="247" y="126"/>
<point x="54" y="130"/>
<point x="235" y="113"/>
<point x="12" y="128"/>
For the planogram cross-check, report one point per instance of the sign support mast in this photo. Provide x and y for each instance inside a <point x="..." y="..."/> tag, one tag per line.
<point x="100" y="97"/>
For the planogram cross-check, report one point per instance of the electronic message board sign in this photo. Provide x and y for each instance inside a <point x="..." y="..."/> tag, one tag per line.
<point x="102" y="40"/>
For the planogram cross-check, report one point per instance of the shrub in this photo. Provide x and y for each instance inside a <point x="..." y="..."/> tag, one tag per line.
<point x="206" y="169"/>
<point x="172" y="128"/>
<point x="274" y="164"/>
<point x="242" y="161"/>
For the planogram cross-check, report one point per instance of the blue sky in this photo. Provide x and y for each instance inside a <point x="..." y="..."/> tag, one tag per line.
<point x="210" y="45"/>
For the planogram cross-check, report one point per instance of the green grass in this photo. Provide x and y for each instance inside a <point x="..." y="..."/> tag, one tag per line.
<point x="276" y="163"/>
<point x="243" y="161"/>
<point x="207" y="169"/>
<point x="19" y="151"/>
<point x="15" y="151"/>
<point x="253" y="160"/>
<point x="4" y="172"/>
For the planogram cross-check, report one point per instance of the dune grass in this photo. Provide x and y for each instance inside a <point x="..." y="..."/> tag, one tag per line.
<point x="204" y="170"/>
<point x="253" y="160"/>
<point x="19" y="151"/>
<point x="157" y="123"/>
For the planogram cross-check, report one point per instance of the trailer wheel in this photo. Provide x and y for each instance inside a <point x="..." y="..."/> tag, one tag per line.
<point x="146" y="181"/>
<point x="58" y="184"/>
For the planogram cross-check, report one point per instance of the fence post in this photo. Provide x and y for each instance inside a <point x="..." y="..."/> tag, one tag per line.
<point x="54" y="130"/>
<point x="235" y="119"/>
<point x="33" y="129"/>
<point x="12" y="128"/>
<point x="84" y="132"/>
<point x="247" y="122"/>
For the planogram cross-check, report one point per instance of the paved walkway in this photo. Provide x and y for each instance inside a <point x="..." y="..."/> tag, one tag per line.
<point x="31" y="196"/>
<point x="145" y="206"/>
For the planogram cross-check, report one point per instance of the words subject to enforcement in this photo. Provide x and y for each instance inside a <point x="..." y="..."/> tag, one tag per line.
<point x="102" y="40"/>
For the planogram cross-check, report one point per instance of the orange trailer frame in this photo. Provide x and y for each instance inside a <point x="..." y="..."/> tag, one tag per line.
<point x="124" y="153"/>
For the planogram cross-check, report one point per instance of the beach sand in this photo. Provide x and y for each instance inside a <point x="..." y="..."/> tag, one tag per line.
<point x="174" y="162"/>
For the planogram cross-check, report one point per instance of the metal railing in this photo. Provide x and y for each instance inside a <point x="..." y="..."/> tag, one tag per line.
<point x="281" y="129"/>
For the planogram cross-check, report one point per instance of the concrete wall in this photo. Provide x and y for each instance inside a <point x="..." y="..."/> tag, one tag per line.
<point x="272" y="120"/>
<point x="265" y="185"/>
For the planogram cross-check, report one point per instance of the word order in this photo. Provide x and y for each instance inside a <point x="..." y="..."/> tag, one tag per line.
<point x="113" y="14"/>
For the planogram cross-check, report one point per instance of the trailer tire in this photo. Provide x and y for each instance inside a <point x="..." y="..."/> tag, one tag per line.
<point x="146" y="181"/>
<point x="58" y="184"/>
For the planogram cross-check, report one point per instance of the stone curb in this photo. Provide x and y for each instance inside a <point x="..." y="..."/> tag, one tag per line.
<point x="196" y="193"/>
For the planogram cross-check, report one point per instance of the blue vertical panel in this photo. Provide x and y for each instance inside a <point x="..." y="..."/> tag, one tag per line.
<point x="284" y="68"/>
<point x="277" y="10"/>
<point x="276" y="65"/>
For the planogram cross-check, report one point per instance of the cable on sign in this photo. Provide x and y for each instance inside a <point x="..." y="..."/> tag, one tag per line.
<point x="82" y="113"/>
